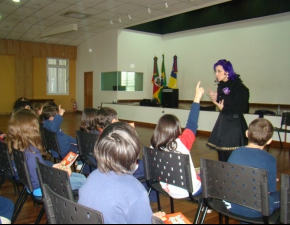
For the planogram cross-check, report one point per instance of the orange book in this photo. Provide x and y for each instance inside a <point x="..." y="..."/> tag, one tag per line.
<point x="175" y="218"/>
<point x="69" y="159"/>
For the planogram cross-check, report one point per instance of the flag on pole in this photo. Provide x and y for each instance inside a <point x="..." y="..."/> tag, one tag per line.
<point x="156" y="81"/>
<point x="163" y="79"/>
<point x="173" y="77"/>
<point x="163" y="74"/>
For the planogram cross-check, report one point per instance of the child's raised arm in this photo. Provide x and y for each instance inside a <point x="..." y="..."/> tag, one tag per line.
<point x="60" y="110"/>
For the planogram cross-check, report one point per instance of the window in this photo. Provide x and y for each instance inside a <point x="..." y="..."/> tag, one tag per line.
<point x="128" y="80"/>
<point x="121" y="81"/>
<point x="57" y="76"/>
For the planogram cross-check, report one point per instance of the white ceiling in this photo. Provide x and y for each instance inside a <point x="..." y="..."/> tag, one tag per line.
<point x="31" y="19"/>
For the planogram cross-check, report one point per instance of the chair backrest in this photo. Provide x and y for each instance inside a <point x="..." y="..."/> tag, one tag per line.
<point x="60" y="210"/>
<point x="22" y="169"/>
<point x="285" y="199"/>
<point x="172" y="168"/>
<point x="5" y="160"/>
<point x="242" y="185"/>
<point x="86" y="143"/>
<point x="58" y="180"/>
<point x="285" y="119"/>
<point x="51" y="141"/>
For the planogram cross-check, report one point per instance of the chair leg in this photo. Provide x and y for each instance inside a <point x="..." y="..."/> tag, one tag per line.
<point x="205" y="208"/>
<point x="19" y="204"/>
<point x="280" y="140"/>
<point x="158" y="201"/>
<point x="199" y="210"/>
<point x="221" y="218"/>
<point x="171" y="205"/>
<point x="40" y="215"/>
<point x="2" y="180"/>
<point x="16" y="188"/>
<point x="227" y="219"/>
<point x="83" y="166"/>
<point x="21" y="194"/>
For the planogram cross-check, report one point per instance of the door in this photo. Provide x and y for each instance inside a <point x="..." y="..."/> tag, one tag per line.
<point x="88" y="89"/>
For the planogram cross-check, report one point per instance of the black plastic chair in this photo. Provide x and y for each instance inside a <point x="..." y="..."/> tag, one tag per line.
<point x="58" y="180"/>
<point x="242" y="185"/>
<point x="24" y="177"/>
<point x="7" y="168"/>
<point x="172" y="168"/>
<point x="285" y="121"/>
<point x="86" y="143"/>
<point x="60" y="210"/>
<point x="285" y="199"/>
<point x="51" y="144"/>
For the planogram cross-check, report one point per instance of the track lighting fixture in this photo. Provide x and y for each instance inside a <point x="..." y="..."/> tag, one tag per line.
<point x="166" y="5"/>
<point x="129" y="16"/>
<point x="111" y="22"/>
<point x="149" y="10"/>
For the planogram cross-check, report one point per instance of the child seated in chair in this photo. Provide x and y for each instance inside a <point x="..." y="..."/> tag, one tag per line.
<point x="53" y="117"/>
<point x="112" y="189"/>
<point x="259" y="134"/>
<point x="23" y="134"/>
<point x="107" y="116"/>
<point x="168" y="136"/>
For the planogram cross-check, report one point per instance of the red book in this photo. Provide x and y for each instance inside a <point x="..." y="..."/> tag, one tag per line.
<point x="69" y="159"/>
<point x="175" y="218"/>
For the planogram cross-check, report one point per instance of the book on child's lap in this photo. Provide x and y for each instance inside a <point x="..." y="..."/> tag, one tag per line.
<point x="69" y="159"/>
<point x="175" y="218"/>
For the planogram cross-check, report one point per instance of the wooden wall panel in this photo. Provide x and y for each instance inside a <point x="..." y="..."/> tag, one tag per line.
<point x="24" y="53"/>
<point x="8" y="47"/>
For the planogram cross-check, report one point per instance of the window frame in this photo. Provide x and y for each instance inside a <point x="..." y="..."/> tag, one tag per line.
<point x="57" y="66"/>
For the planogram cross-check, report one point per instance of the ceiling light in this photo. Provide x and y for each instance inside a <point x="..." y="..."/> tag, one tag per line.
<point x="166" y="5"/>
<point x="120" y="21"/>
<point x="16" y="0"/>
<point x="111" y="22"/>
<point x="149" y="10"/>
<point x="129" y="16"/>
<point x="60" y="30"/>
<point x="75" y="15"/>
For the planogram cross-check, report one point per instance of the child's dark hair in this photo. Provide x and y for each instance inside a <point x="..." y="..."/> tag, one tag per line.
<point x="260" y="131"/>
<point x="49" y="109"/>
<point x="89" y="120"/>
<point x="21" y="103"/>
<point x="105" y="116"/>
<point x="117" y="148"/>
<point x="167" y="130"/>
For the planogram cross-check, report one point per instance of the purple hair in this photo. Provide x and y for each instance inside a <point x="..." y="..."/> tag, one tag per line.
<point x="227" y="66"/>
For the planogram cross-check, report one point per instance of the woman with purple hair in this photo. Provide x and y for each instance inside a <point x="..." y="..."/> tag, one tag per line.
<point x="232" y="99"/>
